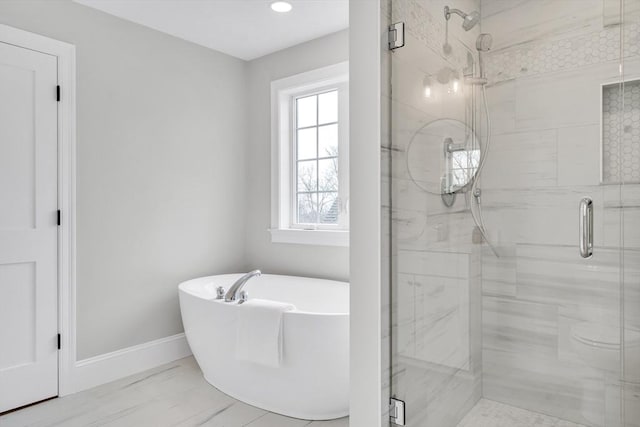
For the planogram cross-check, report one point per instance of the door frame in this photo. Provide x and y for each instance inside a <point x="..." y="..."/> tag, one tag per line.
<point x="66" y="55"/>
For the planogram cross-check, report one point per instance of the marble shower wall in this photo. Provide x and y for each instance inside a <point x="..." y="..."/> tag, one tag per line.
<point x="546" y="71"/>
<point x="435" y="292"/>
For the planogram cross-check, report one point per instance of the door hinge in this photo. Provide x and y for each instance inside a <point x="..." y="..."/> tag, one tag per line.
<point x="58" y="93"/>
<point x="59" y="341"/>
<point x="396" y="35"/>
<point x="396" y="411"/>
<point x="59" y="217"/>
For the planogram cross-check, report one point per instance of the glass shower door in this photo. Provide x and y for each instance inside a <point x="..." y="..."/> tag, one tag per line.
<point x="513" y="186"/>
<point x="436" y="256"/>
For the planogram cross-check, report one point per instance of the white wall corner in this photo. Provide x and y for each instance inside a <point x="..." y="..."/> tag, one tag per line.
<point x="118" y="364"/>
<point x="365" y="47"/>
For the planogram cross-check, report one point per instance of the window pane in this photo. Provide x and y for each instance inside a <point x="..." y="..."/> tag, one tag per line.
<point x="307" y="176"/>
<point x="306" y="111"/>
<point x="329" y="208"/>
<point x="307" y="144"/>
<point x="465" y="159"/>
<point x="328" y="174"/>
<point x="328" y="104"/>
<point x="328" y="144"/>
<point x="307" y="208"/>
<point x="460" y="177"/>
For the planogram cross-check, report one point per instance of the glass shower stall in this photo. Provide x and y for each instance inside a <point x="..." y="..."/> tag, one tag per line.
<point x="511" y="179"/>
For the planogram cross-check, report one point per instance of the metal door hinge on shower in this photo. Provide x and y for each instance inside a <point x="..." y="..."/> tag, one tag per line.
<point x="396" y="412"/>
<point x="396" y="35"/>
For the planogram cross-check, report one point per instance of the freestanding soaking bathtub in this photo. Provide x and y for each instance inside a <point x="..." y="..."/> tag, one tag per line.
<point x="312" y="381"/>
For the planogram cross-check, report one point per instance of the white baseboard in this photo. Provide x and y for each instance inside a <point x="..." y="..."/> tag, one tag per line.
<point x="109" y="367"/>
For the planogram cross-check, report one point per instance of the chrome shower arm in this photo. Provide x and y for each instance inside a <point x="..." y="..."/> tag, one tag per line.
<point x="448" y="11"/>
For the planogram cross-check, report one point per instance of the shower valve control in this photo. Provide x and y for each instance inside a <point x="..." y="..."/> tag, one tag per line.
<point x="244" y="296"/>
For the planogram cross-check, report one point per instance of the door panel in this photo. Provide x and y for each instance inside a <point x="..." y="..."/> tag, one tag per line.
<point x="28" y="227"/>
<point x="16" y="156"/>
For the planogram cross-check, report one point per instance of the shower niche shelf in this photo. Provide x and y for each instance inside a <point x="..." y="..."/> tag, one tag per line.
<point x="620" y="132"/>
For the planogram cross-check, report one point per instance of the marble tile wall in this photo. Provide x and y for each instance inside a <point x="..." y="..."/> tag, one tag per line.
<point x="547" y="55"/>
<point x="546" y="71"/>
<point x="530" y="358"/>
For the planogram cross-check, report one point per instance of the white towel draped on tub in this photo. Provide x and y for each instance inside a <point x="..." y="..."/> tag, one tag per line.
<point x="260" y="334"/>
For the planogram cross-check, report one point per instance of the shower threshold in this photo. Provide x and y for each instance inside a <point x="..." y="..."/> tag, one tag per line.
<point x="488" y="413"/>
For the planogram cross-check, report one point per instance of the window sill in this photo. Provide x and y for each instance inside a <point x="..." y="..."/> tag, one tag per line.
<point x="310" y="237"/>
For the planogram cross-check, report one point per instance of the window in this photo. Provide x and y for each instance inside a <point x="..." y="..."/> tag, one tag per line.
<point x="316" y="136"/>
<point x="310" y="132"/>
<point x="461" y="167"/>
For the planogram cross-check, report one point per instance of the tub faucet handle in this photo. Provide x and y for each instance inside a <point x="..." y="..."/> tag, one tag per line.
<point x="220" y="292"/>
<point x="244" y="296"/>
<point x="234" y="291"/>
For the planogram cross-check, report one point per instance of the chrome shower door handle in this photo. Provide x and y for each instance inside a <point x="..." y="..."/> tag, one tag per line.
<point x="586" y="227"/>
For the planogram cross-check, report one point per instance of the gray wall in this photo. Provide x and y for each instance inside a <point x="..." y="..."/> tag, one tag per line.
<point x="314" y="261"/>
<point x="161" y="169"/>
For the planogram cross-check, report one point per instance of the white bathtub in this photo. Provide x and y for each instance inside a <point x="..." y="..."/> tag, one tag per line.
<point x="313" y="380"/>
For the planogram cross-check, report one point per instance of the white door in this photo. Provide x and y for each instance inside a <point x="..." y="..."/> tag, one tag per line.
<point x="28" y="227"/>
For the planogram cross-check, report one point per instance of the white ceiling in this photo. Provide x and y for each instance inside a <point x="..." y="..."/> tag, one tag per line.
<point x="246" y="29"/>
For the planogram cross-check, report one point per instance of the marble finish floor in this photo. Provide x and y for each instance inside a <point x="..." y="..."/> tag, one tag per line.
<point x="174" y="394"/>
<point x="488" y="413"/>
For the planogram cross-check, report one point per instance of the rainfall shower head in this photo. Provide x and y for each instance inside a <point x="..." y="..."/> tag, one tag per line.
<point x="469" y="19"/>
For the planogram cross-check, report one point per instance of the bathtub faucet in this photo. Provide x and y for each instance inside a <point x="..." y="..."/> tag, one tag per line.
<point x="234" y="290"/>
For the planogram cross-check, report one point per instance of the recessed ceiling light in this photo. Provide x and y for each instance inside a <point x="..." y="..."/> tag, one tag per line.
<point x="281" y="6"/>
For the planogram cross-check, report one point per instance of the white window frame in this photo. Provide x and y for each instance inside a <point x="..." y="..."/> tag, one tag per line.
<point x="284" y="92"/>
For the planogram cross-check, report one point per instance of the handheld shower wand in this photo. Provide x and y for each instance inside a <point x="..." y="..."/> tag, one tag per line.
<point x="483" y="44"/>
